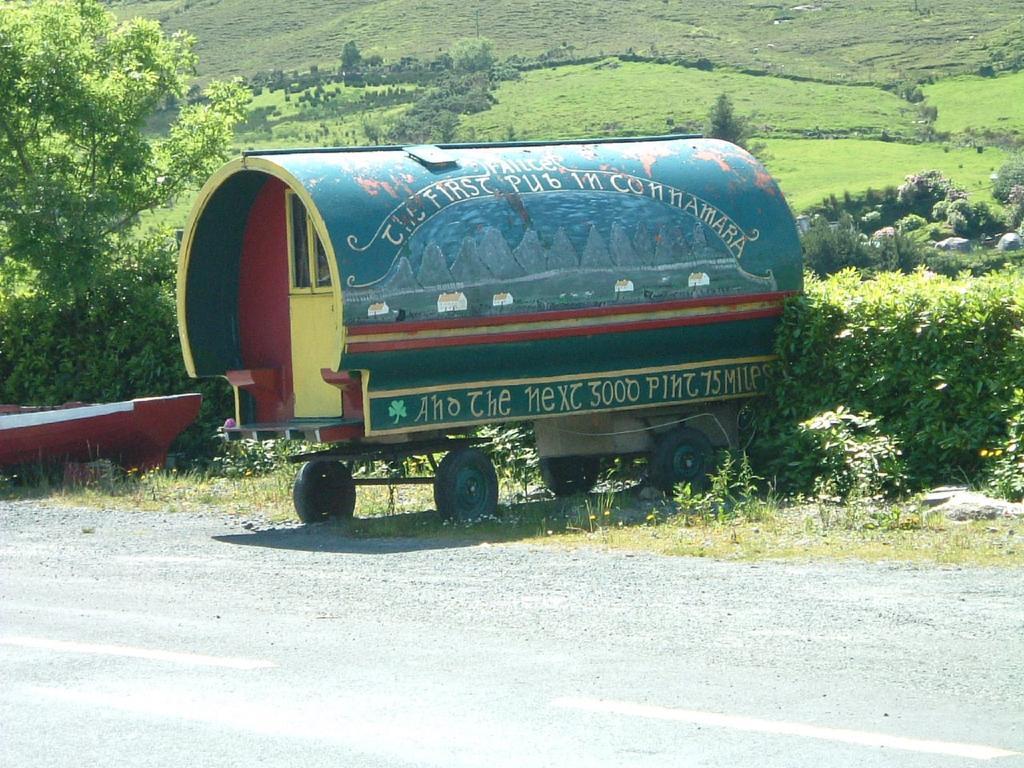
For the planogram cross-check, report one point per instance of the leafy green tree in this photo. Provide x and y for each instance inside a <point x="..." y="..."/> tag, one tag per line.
<point x="829" y="248"/>
<point x="434" y="117"/>
<point x="350" y="56"/>
<point x="1010" y="175"/>
<point x="472" y="55"/>
<point x="723" y="123"/>
<point x="1015" y="206"/>
<point x="920" y="193"/>
<point x="77" y="163"/>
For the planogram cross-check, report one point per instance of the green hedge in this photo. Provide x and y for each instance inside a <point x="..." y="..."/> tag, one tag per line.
<point x="119" y="340"/>
<point x="936" y="360"/>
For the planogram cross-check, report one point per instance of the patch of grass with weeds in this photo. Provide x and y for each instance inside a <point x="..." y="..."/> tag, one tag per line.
<point x="732" y="521"/>
<point x="794" y="533"/>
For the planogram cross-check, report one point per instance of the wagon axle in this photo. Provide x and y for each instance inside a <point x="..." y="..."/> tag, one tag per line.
<point x="465" y="483"/>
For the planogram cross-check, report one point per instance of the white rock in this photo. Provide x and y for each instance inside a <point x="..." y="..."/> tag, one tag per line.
<point x="1011" y="241"/>
<point x="954" y="244"/>
<point x="960" y="504"/>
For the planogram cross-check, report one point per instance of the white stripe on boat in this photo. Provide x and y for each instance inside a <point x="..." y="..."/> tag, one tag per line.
<point x="39" y="418"/>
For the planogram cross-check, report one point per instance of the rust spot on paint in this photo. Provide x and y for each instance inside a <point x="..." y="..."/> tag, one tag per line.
<point x="648" y="156"/>
<point x="517" y="205"/>
<point x="373" y="187"/>
<point x="764" y="181"/>
<point x="403" y="183"/>
<point x="714" y="157"/>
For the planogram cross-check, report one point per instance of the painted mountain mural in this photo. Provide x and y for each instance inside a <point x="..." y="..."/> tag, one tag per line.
<point x="469" y="267"/>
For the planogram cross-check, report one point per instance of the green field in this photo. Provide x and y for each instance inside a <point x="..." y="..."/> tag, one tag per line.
<point x="809" y="171"/>
<point x="979" y="104"/>
<point x="840" y="41"/>
<point x="636" y="98"/>
<point x="338" y="119"/>
<point x="820" y="137"/>
<point x="613" y="97"/>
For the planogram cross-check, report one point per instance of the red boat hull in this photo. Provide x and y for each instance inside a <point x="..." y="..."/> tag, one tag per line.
<point x="134" y="433"/>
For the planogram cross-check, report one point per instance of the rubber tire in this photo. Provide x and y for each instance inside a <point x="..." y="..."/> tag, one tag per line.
<point x="322" y="490"/>
<point x="569" y="475"/>
<point x="683" y="455"/>
<point x="466" y="486"/>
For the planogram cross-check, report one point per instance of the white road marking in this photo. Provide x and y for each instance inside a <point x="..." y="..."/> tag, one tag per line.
<point x="781" y="727"/>
<point x="391" y="726"/>
<point x="127" y="651"/>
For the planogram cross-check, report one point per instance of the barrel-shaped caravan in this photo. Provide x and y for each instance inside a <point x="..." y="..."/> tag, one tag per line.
<point x="611" y="292"/>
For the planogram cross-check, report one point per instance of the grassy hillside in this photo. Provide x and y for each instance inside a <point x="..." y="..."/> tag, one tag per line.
<point x="835" y="40"/>
<point x="979" y="104"/>
<point x="610" y="97"/>
<point x="847" y="50"/>
<point x="336" y="118"/>
<point x="809" y="171"/>
<point x="600" y="100"/>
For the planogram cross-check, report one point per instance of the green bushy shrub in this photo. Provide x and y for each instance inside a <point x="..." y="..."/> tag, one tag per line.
<point x="920" y="192"/>
<point x="1015" y="207"/>
<point x="511" y="448"/>
<point x="911" y="223"/>
<point x="935" y="360"/>
<point x="843" y="455"/>
<point x="1010" y="175"/>
<point x="973" y="220"/>
<point x="253" y="458"/>
<point x="977" y="263"/>
<point x="116" y="341"/>
<point x="871" y="220"/>
<point x="1005" y="474"/>
<point x="829" y="249"/>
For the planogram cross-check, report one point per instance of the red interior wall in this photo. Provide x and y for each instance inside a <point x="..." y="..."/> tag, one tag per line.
<point x="263" y="319"/>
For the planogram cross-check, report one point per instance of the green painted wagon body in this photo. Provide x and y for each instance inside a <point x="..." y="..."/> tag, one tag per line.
<point x="404" y="293"/>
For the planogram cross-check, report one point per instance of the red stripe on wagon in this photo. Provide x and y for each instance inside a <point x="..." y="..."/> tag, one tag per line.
<point x="586" y="330"/>
<point x="563" y="314"/>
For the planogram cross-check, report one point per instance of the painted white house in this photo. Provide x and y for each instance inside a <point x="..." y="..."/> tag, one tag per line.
<point x="699" y="279"/>
<point x="452" y="302"/>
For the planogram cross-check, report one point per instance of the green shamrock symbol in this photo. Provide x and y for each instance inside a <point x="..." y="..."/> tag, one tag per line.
<point x="397" y="410"/>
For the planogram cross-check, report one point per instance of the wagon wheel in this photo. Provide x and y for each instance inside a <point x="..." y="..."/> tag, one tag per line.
<point x="683" y="455"/>
<point x="324" y="489"/>
<point x="568" y="475"/>
<point x="466" y="486"/>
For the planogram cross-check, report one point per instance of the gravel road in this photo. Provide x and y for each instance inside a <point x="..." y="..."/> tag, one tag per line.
<point x="179" y="639"/>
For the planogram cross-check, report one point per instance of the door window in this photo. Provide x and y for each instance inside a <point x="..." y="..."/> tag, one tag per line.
<point x="310" y="270"/>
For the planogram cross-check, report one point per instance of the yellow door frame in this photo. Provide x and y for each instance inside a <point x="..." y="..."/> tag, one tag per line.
<point x="315" y="319"/>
